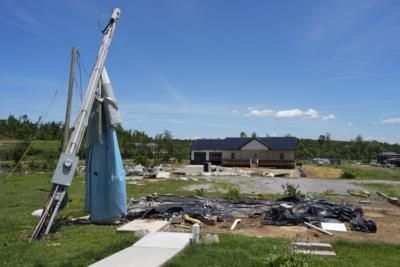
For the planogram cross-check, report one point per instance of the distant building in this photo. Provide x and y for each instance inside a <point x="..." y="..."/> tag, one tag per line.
<point x="327" y="161"/>
<point x="384" y="157"/>
<point x="245" y="151"/>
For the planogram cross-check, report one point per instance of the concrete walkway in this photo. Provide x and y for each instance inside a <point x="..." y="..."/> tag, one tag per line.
<point x="154" y="249"/>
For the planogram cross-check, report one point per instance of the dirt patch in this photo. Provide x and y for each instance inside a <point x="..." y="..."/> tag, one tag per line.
<point x="322" y="172"/>
<point x="385" y="215"/>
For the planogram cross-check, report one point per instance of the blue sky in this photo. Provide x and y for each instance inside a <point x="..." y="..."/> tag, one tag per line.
<point x="214" y="68"/>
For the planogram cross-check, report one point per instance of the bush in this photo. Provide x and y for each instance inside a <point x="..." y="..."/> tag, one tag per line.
<point x="348" y="175"/>
<point x="291" y="191"/>
<point x="200" y="192"/>
<point x="233" y="193"/>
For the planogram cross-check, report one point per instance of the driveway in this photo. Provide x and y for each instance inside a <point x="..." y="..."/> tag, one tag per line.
<point x="256" y="185"/>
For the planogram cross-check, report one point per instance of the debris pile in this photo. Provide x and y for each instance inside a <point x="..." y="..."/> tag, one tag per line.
<point x="294" y="211"/>
<point x="286" y="211"/>
<point x="156" y="172"/>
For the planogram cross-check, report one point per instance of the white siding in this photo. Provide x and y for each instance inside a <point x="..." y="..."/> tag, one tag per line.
<point x="254" y="145"/>
<point x="261" y="155"/>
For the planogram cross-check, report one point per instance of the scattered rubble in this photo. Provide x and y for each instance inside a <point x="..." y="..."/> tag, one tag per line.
<point x="198" y="170"/>
<point x="163" y="175"/>
<point x="281" y="212"/>
<point x="210" y="239"/>
<point x="318" y="210"/>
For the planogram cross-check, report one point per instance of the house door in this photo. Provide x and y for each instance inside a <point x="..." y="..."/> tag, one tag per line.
<point x="254" y="160"/>
<point x="216" y="157"/>
<point x="199" y="157"/>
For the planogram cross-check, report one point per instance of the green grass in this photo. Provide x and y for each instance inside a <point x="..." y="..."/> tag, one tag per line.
<point x="373" y="173"/>
<point x="51" y="145"/>
<point x="237" y="250"/>
<point x="81" y="245"/>
<point x="72" y="245"/>
<point x="388" y="189"/>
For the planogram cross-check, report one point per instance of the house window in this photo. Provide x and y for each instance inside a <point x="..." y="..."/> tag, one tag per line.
<point x="282" y="156"/>
<point x="233" y="155"/>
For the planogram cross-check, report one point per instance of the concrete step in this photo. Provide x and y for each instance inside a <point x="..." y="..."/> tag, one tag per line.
<point x="320" y="253"/>
<point x="311" y="246"/>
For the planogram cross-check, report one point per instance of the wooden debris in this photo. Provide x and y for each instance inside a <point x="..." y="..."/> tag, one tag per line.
<point x="358" y="194"/>
<point x="391" y="200"/>
<point x="187" y="218"/>
<point x="317" y="228"/>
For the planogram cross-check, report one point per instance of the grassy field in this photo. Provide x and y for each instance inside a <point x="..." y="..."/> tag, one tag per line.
<point x="77" y="244"/>
<point x="361" y="172"/>
<point x="388" y="189"/>
<point x="314" y="171"/>
<point x="80" y="245"/>
<point x="237" y="250"/>
<point x="50" y="145"/>
<point x="366" y="172"/>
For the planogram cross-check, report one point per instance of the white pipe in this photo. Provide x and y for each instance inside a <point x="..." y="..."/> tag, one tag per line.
<point x="235" y="223"/>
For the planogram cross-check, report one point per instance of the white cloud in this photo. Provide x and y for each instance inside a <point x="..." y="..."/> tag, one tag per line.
<point x="349" y="124"/>
<point x="260" y="113"/>
<point x="298" y="113"/>
<point x="392" y="121"/>
<point x="328" y="117"/>
<point x="312" y="114"/>
<point x="294" y="113"/>
<point x="289" y="113"/>
<point x="234" y="111"/>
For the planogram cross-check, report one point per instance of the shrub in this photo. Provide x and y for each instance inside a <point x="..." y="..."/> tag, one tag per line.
<point x="291" y="190"/>
<point x="233" y="192"/>
<point x="200" y="192"/>
<point x="348" y="175"/>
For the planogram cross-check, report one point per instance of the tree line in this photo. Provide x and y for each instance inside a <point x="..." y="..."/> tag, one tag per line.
<point x="134" y="144"/>
<point x="142" y="148"/>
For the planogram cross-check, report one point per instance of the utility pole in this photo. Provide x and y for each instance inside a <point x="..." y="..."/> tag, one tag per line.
<point x="68" y="161"/>
<point x="69" y="100"/>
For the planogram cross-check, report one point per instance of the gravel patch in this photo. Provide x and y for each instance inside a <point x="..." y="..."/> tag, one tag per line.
<point x="259" y="185"/>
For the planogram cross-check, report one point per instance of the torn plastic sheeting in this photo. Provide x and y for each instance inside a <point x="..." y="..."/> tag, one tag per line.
<point x="310" y="210"/>
<point x="271" y="212"/>
<point x="162" y="207"/>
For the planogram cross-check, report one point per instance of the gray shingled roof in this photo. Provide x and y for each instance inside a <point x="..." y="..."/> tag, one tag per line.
<point x="235" y="143"/>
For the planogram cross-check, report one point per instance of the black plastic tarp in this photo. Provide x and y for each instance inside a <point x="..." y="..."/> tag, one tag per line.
<point x="285" y="211"/>
<point x="298" y="211"/>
